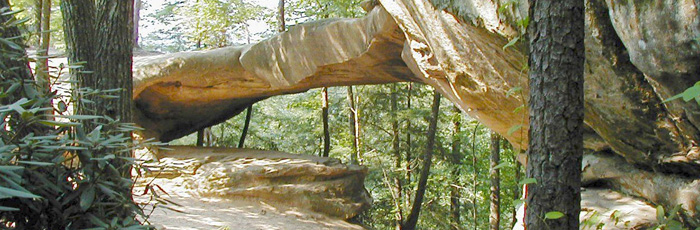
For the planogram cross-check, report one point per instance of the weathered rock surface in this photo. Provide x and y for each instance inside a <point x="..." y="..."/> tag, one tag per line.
<point x="638" y="54"/>
<point x="604" y="209"/>
<point x="318" y="184"/>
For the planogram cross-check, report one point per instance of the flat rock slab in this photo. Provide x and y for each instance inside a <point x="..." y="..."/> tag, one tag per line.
<point x="309" y="183"/>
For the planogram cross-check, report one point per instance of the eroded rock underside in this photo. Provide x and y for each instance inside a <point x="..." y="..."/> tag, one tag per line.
<point x="638" y="53"/>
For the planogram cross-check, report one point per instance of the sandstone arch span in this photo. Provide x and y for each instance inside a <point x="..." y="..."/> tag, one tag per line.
<point x="631" y="67"/>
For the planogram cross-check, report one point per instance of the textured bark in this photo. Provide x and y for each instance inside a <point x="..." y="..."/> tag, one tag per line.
<point x="456" y="162"/>
<point x="324" y="118"/>
<point x="246" y="126"/>
<point x="105" y="48"/>
<point x="412" y="218"/>
<point x="556" y="33"/>
<point x="495" y="204"/>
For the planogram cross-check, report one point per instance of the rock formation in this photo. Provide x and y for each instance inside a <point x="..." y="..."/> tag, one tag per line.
<point x="638" y="54"/>
<point x="319" y="184"/>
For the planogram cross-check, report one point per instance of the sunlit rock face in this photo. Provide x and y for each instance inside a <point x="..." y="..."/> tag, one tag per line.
<point x="319" y="184"/>
<point x="638" y="53"/>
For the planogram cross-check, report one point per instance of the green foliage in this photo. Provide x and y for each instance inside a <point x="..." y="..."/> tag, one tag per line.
<point x="54" y="174"/>
<point x="690" y="93"/>
<point x="553" y="215"/>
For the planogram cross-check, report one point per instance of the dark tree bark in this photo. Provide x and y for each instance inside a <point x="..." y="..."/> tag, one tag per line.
<point x="246" y="125"/>
<point x="200" y="138"/>
<point x="495" y="213"/>
<point x="280" y="16"/>
<point x="412" y="218"/>
<point x="556" y="60"/>
<point x="324" y="118"/>
<point x="353" y="126"/>
<point x="456" y="162"/>
<point x="104" y="48"/>
<point x="395" y="148"/>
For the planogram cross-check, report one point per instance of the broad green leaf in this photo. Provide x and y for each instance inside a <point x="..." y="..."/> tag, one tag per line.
<point x="514" y="128"/>
<point x="87" y="197"/>
<point x="660" y="214"/>
<point x="691" y="93"/>
<point x="553" y="215"/>
<point x="528" y="181"/>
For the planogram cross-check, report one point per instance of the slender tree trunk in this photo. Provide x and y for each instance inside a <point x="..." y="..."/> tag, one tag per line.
<point x="280" y="16"/>
<point x="324" y="116"/>
<point x="137" y="20"/>
<point x="495" y="214"/>
<point x="395" y="147"/>
<point x="456" y="162"/>
<point x="353" y="129"/>
<point x="246" y="124"/>
<point x="556" y="61"/>
<point x="38" y="16"/>
<point x="412" y="218"/>
<point x="200" y="138"/>
<point x="475" y="180"/>
<point x="42" y="64"/>
<point x="409" y="145"/>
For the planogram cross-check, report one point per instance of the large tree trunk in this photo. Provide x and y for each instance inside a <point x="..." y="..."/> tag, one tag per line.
<point x="556" y="33"/>
<point x="412" y="218"/>
<point x="495" y="213"/>
<point x="456" y="162"/>
<point x="105" y="50"/>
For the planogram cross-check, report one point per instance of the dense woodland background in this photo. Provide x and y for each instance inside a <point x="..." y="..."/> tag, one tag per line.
<point x="384" y="126"/>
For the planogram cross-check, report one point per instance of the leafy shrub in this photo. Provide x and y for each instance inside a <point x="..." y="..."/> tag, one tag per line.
<point x="55" y="174"/>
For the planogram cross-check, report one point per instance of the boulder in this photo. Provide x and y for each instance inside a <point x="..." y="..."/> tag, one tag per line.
<point x="318" y="184"/>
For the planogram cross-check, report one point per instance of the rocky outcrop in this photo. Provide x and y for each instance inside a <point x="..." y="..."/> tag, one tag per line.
<point x="318" y="184"/>
<point x="638" y="54"/>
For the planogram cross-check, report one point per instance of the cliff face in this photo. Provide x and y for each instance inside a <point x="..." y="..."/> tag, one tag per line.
<point x="638" y="53"/>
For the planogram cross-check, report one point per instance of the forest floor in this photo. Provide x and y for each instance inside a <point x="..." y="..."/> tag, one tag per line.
<point x="189" y="211"/>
